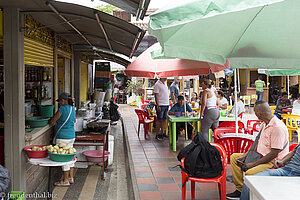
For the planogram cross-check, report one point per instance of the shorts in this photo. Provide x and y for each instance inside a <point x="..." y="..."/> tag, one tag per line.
<point x="163" y="114"/>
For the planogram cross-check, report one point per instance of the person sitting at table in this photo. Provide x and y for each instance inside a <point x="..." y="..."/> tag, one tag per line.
<point x="282" y="103"/>
<point x="179" y="107"/>
<point x="296" y="106"/>
<point x="150" y="106"/>
<point x="64" y="119"/>
<point x="272" y="145"/>
<point x="240" y="105"/>
<point x="223" y="101"/>
<point x="289" y="167"/>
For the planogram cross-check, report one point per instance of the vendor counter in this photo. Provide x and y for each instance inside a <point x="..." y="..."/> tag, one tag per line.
<point x="252" y="90"/>
<point x="37" y="177"/>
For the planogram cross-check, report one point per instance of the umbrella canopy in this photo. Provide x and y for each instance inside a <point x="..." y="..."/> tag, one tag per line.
<point x="279" y="72"/>
<point x="250" y="34"/>
<point x="145" y="66"/>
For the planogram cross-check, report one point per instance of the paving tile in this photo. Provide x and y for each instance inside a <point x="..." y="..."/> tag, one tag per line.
<point x="146" y="195"/>
<point x="168" y="187"/>
<point x="198" y="195"/>
<point x="148" y="187"/>
<point x="178" y="180"/>
<point x="165" y="180"/>
<point x="211" y="194"/>
<point x="140" y="164"/>
<point x="145" y="181"/>
<point x="156" y="160"/>
<point x="159" y="169"/>
<point x="208" y="186"/>
<point x="142" y="169"/>
<point x="162" y="164"/>
<point x="175" y="168"/>
<point x="153" y="156"/>
<point x="166" y="195"/>
<point x="188" y="186"/>
<point x="175" y="174"/>
<point x="143" y="174"/>
<point x="161" y="174"/>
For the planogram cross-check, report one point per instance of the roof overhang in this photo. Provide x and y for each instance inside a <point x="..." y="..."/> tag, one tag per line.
<point x="136" y="7"/>
<point x="81" y="25"/>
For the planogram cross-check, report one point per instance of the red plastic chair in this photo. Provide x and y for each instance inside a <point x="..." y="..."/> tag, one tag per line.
<point x="223" y="130"/>
<point x="143" y="106"/>
<point x="241" y="115"/>
<point x="143" y="119"/>
<point x="251" y="122"/>
<point x="221" y="180"/>
<point x="292" y="147"/>
<point x="232" y="124"/>
<point x="235" y="145"/>
<point x="250" y="126"/>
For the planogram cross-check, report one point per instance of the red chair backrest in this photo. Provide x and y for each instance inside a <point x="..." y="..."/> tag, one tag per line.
<point x="292" y="147"/>
<point x="141" y="115"/>
<point x="250" y="122"/>
<point x="143" y="100"/>
<point x="143" y="106"/>
<point x="235" y="145"/>
<point x="223" y="156"/>
<point x="232" y="124"/>
<point x="256" y="127"/>
<point x="223" y="130"/>
<point x="241" y="115"/>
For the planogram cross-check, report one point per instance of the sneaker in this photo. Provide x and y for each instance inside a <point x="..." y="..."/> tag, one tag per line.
<point x="158" y="137"/>
<point x="164" y="136"/>
<point x="234" y="195"/>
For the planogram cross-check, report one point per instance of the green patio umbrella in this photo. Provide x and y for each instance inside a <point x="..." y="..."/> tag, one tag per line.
<point x="281" y="72"/>
<point x="250" y="33"/>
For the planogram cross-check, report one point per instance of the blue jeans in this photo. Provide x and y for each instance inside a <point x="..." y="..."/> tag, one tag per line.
<point x="259" y="95"/>
<point x="284" y="171"/>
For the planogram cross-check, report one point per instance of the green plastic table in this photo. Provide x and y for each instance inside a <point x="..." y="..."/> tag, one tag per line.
<point x="172" y="126"/>
<point x="228" y="119"/>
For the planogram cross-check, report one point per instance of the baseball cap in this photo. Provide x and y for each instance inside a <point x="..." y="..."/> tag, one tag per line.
<point x="64" y="96"/>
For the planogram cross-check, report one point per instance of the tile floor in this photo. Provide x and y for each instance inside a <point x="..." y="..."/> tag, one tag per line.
<point x="154" y="165"/>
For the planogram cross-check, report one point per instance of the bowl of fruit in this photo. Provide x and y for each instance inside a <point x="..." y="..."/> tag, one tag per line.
<point x="36" y="151"/>
<point x="61" y="152"/>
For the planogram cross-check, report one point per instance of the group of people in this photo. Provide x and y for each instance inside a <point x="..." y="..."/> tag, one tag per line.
<point x="211" y="103"/>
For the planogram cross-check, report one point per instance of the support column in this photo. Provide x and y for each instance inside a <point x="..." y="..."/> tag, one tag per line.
<point x="72" y="73"/>
<point x="55" y="74"/>
<point x="77" y="80"/>
<point x="14" y="97"/>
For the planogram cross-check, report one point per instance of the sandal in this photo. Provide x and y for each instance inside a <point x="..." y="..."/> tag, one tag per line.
<point x="62" y="184"/>
<point x="71" y="180"/>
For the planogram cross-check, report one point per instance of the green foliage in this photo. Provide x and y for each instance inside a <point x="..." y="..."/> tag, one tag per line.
<point x="133" y="86"/>
<point x="106" y="8"/>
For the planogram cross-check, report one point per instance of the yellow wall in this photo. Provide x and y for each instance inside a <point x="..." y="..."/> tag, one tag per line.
<point x="84" y="81"/>
<point x="243" y="79"/>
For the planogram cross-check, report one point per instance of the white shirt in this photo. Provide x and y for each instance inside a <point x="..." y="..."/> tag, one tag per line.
<point x="296" y="108"/>
<point x="163" y="93"/>
<point x="223" y="101"/>
<point x="212" y="101"/>
<point x="240" y="108"/>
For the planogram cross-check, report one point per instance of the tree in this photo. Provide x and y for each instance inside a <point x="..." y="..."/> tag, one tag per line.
<point x="107" y="8"/>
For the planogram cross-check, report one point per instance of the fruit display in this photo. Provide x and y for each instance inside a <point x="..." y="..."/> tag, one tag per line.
<point x="36" y="151"/>
<point x="61" y="149"/>
<point x="133" y="103"/>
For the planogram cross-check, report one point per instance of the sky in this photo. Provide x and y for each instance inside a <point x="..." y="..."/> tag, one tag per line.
<point x="92" y="4"/>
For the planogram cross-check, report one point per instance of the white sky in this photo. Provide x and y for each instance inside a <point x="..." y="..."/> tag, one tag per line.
<point x="92" y="4"/>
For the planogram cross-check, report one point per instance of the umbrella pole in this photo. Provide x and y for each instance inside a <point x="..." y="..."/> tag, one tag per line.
<point x="235" y="101"/>
<point x="238" y="80"/>
<point x="288" y="86"/>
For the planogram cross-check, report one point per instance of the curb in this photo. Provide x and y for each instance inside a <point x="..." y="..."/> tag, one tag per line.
<point x="133" y="191"/>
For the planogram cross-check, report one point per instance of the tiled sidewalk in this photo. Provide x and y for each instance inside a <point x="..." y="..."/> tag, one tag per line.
<point x="154" y="161"/>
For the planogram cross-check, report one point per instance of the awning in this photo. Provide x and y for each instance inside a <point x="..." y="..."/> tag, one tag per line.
<point x="81" y="25"/>
<point x="136" y="7"/>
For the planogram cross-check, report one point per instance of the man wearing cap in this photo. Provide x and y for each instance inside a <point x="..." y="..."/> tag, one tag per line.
<point x="64" y="119"/>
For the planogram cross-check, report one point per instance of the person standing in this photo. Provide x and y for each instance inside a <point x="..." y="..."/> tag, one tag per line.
<point x="209" y="109"/>
<point x="259" y="85"/>
<point x="174" y="90"/>
<point x="64" y="119"/>
<point x="161" y="93"/>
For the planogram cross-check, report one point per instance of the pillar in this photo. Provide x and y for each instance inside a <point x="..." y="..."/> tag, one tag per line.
<point x="14" y="100"/>
<point x="77" y="78"/>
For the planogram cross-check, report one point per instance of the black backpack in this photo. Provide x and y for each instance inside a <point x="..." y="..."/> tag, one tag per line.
<point x="115" y="115"/>
<point x="202" y="160"/>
